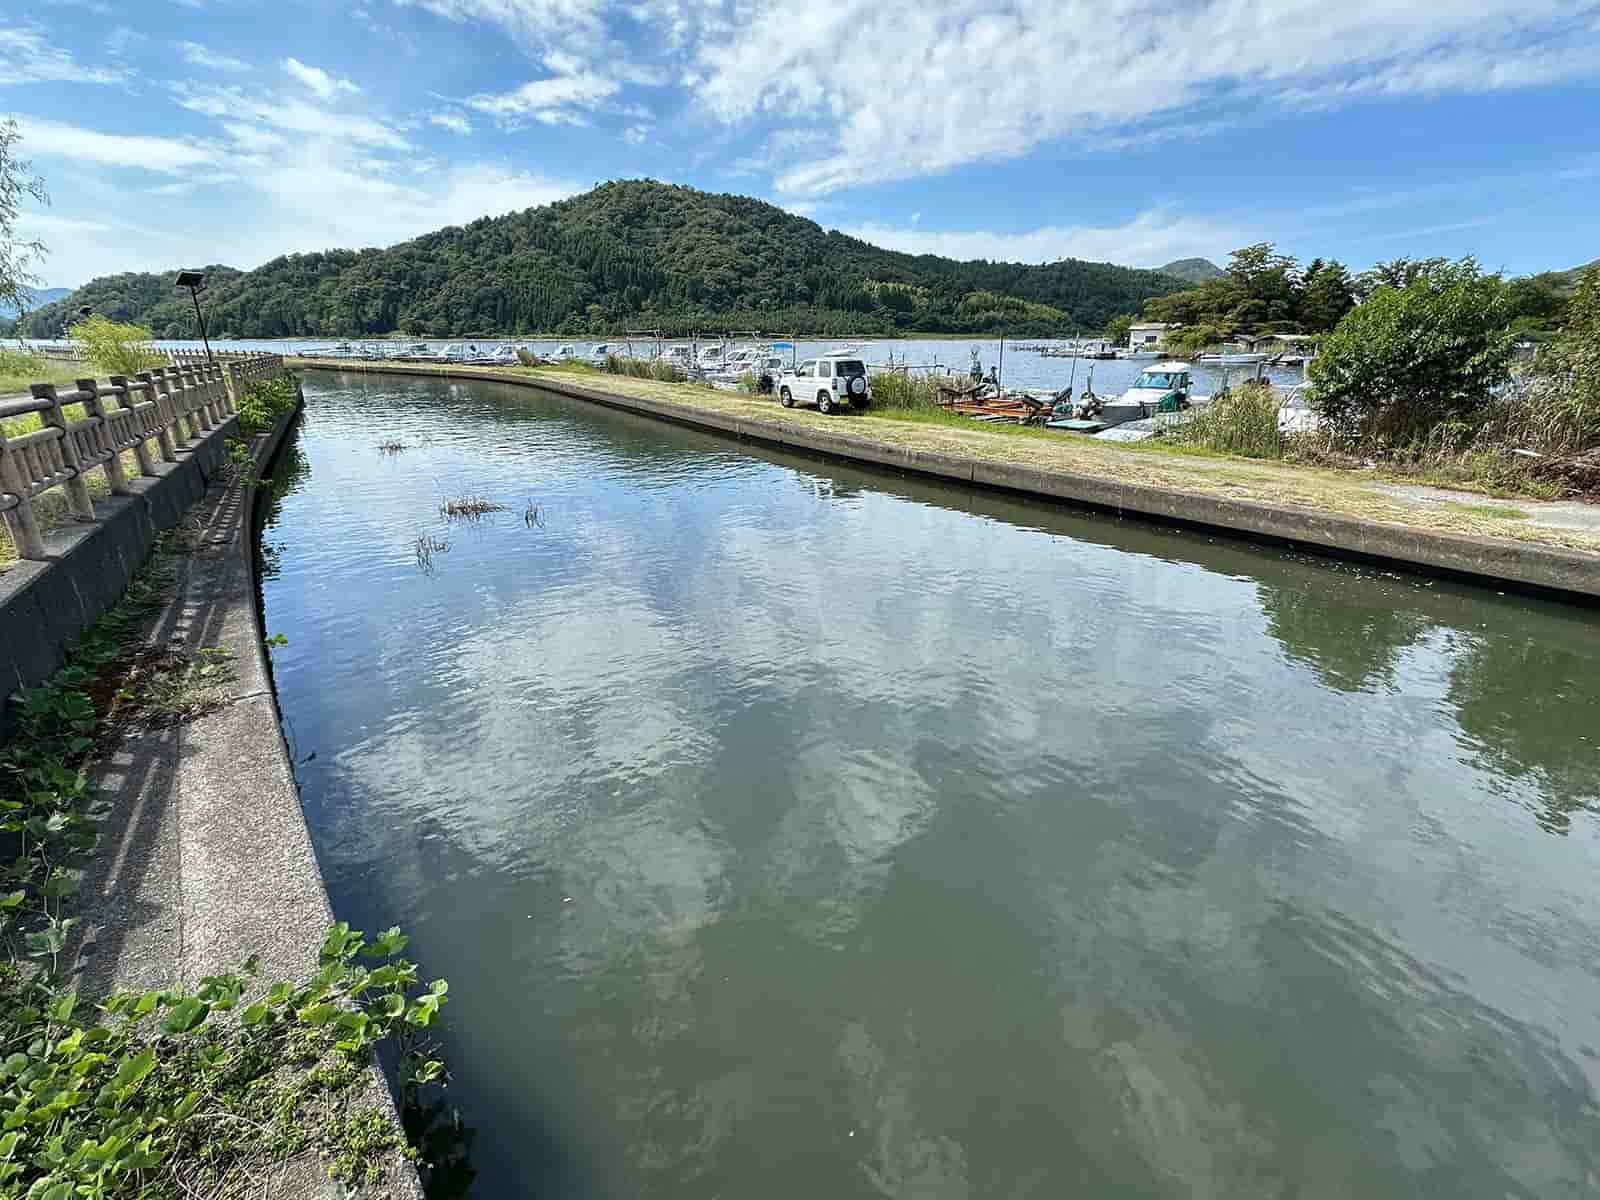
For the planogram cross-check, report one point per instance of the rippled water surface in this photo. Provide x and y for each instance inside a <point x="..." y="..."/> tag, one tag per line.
<point x="786" y="830"/>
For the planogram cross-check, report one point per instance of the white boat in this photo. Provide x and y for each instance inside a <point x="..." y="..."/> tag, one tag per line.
<point x="1295" y="414"/>
<point x="1231" y="359"/>
<point x="505" y="356"/>
<point x="601" y="353"/>
<point x="710" y="358"/>
<point x="680" y="356"/>
<point x="565" y="353"/>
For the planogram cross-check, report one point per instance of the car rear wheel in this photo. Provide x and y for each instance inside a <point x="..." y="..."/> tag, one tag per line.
<point x="824" y="403"/>
<point x="785" y="398"/>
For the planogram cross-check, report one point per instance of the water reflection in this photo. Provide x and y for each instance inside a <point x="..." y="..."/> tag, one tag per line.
<point x="1527" y="708"/>
<point x="788" y="830"/>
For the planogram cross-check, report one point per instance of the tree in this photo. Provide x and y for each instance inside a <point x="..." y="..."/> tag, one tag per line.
<point x="1326" y="294"/>
<point x="1410" y="357"/>
<point x="18" y="255"/>
<point x="1192" y="339"/>
<point x="1401" y="272"/>
<point x="1118" y="329"/>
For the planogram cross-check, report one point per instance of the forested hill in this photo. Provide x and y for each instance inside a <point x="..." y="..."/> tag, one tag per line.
<point x="629" y="255"/>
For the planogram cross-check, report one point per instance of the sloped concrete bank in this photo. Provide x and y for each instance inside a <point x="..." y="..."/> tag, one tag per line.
<point x="1497" y="562"/>
<point x="205" y="858"/>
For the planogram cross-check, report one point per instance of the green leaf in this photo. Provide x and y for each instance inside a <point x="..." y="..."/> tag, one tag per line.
<point x="185" y="1016"/>
<point x="254" y="1015"/>
<point x="61" y="885"/>
<point x="146" y="1004"/>
<point x="60" y="1010"/>
<point x="186" y="1106"/>
<point x="8" y="1143"/>
<point x="319" y="1014"/>
<point x="12" y="899"/>
<point x="133" y="1068"/>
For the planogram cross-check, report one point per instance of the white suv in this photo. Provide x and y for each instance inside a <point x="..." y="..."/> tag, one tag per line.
<point x="829" y="381"/>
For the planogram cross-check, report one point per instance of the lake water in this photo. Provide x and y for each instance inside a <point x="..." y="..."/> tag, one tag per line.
<point x="788" y="830"/>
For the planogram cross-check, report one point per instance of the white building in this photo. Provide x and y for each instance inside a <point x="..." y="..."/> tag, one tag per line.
<point x="1147" y="336"/>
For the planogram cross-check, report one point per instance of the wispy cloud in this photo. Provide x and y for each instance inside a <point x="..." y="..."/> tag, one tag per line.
<point x="197" y="55"/>
<point x="559" y="99"/>
<point x="319" y="81"/>
<point x="454" y="122"/>
<point x="163" y="155"/>
<point x="287" y="114"/>
<point x="1151" y="238"/>
<point x="26" y="56"/>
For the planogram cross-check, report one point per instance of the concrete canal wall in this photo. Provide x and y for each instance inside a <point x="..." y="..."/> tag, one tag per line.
<point x="1495" y="562"/>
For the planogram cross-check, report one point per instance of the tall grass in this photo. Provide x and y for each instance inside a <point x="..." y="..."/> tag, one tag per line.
<point x="902" y="390"/>
<point x="639" y="368"/>
<point x="1544" y="414"/>
<point x="1242" y="421"/>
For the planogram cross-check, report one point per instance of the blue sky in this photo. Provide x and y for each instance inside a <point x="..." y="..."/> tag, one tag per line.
<point x="191" y="131"/>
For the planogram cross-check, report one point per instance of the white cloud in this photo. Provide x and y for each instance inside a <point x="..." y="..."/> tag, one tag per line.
<point x="290" y="115"/>
<point x="560" y="99"/>
<point x="454" y="122"/>
<point x="170" y="156"/>
<point x="534" y="23"/>
<point x="122" y="40"/>
<point x="1150" y="239"/>
<point x="636" y="135"/>
<point x="319" y="81"/>
<point x="197" y="55"/>
<point x="902" y="88"/>
<point x="26" y="57"/>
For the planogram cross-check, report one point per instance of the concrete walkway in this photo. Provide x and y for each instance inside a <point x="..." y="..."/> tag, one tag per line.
<point x="204" y="857"/>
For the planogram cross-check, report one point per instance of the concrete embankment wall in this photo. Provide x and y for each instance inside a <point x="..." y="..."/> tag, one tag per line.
<point x="45" y="605"/>
<point x="1496" y="562"/>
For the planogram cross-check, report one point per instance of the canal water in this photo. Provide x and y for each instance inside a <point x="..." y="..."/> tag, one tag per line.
<point x="787" y="830"/>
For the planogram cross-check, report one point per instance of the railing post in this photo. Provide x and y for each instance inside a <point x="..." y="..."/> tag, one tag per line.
<point x="141" y="450"/>
<point x="97" y="410"/>
<point x="194" y="380"/>
<point x="19" y="520"/>
<point x="164" y="414"/>
<point x="78" y="502"/>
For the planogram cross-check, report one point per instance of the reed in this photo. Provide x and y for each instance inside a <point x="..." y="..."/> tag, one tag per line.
<point x="639" y="368"/>
<point x="902" y="390"/>
<point x="1241" y="420"/>
<point x="468" y="508"/>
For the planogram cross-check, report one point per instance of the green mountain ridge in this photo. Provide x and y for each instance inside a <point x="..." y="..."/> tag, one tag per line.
<point x="37" y="298"/>
<point x="1192" y="270"/>
<point x="628" y="255"/>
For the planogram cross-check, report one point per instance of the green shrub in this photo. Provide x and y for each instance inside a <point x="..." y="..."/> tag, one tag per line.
<point x="1409" y="358"/>
<point x="113" y="348"/>
<point x="265" y="401"/>
<point x="1241" y="420"/>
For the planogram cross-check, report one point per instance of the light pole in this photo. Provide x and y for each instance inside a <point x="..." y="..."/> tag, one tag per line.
<point x="194" y="281"/>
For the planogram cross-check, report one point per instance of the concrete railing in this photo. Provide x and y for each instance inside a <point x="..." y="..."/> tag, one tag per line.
<point x="167" y="407"/>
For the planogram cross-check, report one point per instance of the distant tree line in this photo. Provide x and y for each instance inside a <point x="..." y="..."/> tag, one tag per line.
<point x="1263" y="291"/>
<point x="628" y="255"/>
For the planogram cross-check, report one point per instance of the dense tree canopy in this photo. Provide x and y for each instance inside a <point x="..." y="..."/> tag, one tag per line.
<point x="630" y="255"/>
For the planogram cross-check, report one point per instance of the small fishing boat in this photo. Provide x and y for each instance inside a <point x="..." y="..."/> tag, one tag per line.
<point x="599" y="355"/>
<point x="1162" y="388"/>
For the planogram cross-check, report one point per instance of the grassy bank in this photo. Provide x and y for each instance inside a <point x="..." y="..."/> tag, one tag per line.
<point x="1350" y="492"/>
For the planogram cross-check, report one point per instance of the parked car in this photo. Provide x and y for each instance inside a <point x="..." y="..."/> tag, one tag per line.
<point x="828" y="381"/>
